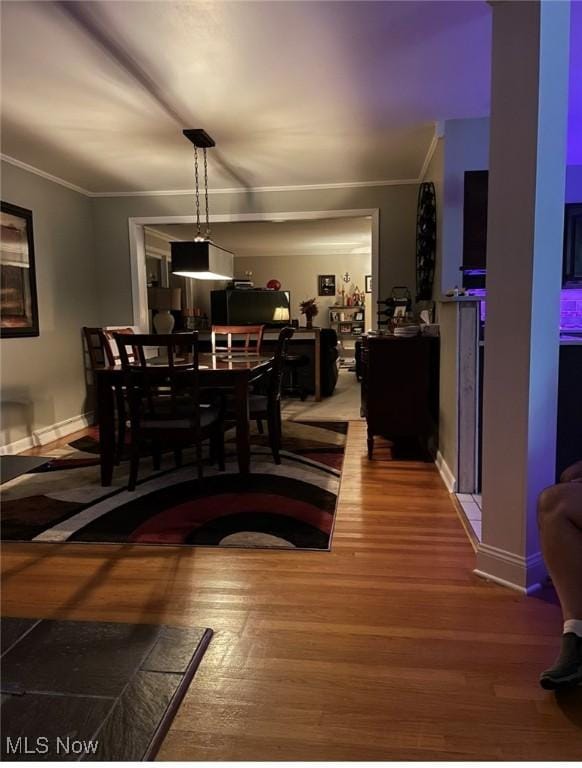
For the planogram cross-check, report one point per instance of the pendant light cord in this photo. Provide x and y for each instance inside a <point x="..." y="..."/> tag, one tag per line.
<point x="206" y="194"/>
<point x="197" y="194"/>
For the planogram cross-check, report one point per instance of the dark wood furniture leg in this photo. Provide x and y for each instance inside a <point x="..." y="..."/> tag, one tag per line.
<point x="370" y="444"/>
<point x="275" y="436"/>
<point x="106" y="421"/>
<point x="243" y="437"/>
<point x="317" y="353"/>
<point x="121" y="417"/>
<point x="133" y="465"/>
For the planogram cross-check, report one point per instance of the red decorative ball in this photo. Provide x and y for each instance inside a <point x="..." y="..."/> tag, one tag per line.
<point x="274" y="285"/>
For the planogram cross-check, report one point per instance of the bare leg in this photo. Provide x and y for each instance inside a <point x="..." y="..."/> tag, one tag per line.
<point x="560" y="520"/>
<point x="572" y="473"/>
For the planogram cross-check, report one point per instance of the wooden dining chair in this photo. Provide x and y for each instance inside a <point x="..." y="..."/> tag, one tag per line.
<point x="111" y="348"/>
<point x="164" y="396"/>
<point x="250" y="343"/>
<point x="252" y="337"/>
<point x="95" y="347"/>
<point x="268" y="406"/>
<point x="102" y="351"/>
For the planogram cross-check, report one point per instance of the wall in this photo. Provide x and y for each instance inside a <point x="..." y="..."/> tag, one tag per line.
<point x="574" y="184"/>
<point x="436" y="173"/>
<point x="447" y="317"/>
<point x="466" y="148"/>
<point x="571" y="304"/>
<point x="43" y="378"/>
<point x="397" y="204"/>
<point x="298" y="274"/>
<point x="448" y="382"/>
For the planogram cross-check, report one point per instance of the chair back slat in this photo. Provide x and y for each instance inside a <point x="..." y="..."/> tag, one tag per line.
<point x="252" y="337"/>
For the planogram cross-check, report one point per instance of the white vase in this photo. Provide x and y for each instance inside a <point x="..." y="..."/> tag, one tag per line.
<point x="164" y="321"/>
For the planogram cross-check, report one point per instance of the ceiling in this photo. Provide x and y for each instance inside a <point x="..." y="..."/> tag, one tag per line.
<point x="294" y="93"/>
<point x="336" y="236"/>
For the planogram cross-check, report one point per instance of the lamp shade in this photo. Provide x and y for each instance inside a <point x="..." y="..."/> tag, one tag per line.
<point x="281" y="314"/>
<point x="202" y="260"/>
<point x="165" y="298"/>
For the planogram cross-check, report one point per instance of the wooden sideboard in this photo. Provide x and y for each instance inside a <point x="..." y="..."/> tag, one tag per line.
<point x="400" y="388"/>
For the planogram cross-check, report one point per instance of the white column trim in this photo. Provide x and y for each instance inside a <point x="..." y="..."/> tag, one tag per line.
<point x="524" y="574"/>
<point x="446" y="473"/>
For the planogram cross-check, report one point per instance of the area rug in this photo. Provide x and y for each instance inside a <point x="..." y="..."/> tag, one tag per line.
<point x="91" y="690"/>
<point x="291" y="505"/>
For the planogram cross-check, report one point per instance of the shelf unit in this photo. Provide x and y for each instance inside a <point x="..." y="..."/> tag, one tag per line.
<point x="343" y="320"/>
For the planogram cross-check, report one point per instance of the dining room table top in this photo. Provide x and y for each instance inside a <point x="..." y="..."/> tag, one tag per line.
<point x="207" y="361"/>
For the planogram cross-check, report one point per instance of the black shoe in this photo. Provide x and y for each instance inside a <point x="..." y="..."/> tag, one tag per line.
<point x="567" y="670"/>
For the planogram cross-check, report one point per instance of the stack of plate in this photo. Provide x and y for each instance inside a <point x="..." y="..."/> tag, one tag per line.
<point x="406" y="331"/>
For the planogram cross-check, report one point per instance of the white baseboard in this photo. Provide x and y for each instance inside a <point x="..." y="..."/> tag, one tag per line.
<point x="524" y="574"/>
<point x="445" y="472"/>
<point x="48" y="434"/>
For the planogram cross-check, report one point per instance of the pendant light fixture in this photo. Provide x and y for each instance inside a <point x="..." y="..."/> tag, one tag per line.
<point x="201" y="258"/>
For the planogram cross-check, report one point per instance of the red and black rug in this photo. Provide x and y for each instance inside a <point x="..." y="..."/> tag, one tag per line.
<point x="287" y="506"/>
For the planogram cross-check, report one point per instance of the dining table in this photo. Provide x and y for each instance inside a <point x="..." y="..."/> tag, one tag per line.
<point x="233" y="371"/>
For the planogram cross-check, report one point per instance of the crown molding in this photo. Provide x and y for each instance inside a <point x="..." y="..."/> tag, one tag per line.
<point x="438" y="134"/>
<point x="253" y="190"/>
<point x="226" y="190"/>
<point x="44" y="175"/>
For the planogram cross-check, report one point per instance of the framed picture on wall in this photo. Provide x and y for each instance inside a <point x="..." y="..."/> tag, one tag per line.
<point x="18" y="302"/>
<point x="326" y="285"/>
<point x="368" y="285"/>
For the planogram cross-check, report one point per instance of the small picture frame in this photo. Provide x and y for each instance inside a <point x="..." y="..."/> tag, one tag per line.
<point x="345" y="327"/>
<point x="368" y="284"/>
<point x="334" y="317"/>
<point x="359" y="316"/>
<point x="400" y="311"/>
<point x="326" y="285"/>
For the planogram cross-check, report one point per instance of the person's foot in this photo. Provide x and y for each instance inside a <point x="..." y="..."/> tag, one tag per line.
<point x="567" y="670"/>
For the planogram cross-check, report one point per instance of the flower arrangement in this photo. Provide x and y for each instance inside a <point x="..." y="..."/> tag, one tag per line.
<point x="310" y="310"/>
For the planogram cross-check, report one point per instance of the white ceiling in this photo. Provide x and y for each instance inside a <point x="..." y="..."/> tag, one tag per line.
<point x="337" y="236"/>
<point x="295" y="93"/>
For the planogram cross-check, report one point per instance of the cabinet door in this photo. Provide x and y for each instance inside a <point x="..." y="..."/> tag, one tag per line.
<point x="573" y="245"/>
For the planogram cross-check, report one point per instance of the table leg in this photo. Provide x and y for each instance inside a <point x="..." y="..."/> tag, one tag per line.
<point x="317" y="343"/>
<point x="106" y="422"/>
<point x="243" y="435"/>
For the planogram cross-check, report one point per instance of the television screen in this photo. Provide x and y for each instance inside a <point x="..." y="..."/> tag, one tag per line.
<point x="250" y="307"/>
<point x="475" y="219"/>
<point x="475" y="229"/>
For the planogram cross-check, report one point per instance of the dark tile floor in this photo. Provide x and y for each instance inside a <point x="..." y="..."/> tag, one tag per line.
<point x="92" y="690"/>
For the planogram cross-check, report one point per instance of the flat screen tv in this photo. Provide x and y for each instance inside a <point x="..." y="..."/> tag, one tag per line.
<point x="250" y="307"/>
<point x="475" y="228"/>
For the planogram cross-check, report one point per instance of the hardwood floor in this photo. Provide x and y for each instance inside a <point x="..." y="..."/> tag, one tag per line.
<point x="387" y="648"/>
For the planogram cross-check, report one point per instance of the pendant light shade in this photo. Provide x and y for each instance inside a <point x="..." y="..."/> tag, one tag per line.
<point x="200" y="258"/>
